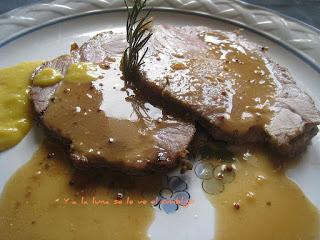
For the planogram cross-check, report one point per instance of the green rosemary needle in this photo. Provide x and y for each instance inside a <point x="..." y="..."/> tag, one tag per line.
<point x="137" y="37"/>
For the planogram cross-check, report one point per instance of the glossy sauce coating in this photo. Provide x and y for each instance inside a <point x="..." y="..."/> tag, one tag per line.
<point x="216" y="75"/>
<point x="247" y="86"/>
<point x="107" y="120"/>
<point x="262" y="203"/>
<point x="48" y="199"/>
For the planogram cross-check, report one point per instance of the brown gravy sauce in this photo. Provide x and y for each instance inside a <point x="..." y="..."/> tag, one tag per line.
<point x="246" y="82"/>
<point x="43" y="200"/>
<point x="262" y="203"/>
<point x="106" y="119"/>
<point x="49" y="199"/>
<point x="218" y="75"/>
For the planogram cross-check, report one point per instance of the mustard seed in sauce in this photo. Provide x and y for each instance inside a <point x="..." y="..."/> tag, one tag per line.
<point x="236" y="206"/>
<point x="51" y="155"/>
<point x="67" y="90"/>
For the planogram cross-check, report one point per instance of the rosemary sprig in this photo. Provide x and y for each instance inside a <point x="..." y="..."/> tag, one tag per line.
<point x="137" y="37"/>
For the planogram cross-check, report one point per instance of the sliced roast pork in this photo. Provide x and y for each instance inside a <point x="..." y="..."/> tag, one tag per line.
<point x="107" y="122"/>
<point x="226" y="83"/>
<point x="230" y="87"/>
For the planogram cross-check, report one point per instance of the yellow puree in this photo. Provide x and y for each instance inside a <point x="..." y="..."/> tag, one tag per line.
<point x="15" y="114"/>
<point x="82" y="72"/>
<point x="77" y="72"/>
<point x="46" y="77"/>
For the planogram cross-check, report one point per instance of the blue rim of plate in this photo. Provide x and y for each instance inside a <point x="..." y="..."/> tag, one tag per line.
<point x="283" y="44"/>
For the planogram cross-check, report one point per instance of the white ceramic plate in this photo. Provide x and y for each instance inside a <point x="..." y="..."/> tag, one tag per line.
<point x="54" y="36"/>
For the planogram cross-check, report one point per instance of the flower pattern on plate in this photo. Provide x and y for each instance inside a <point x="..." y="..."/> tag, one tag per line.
<point x="173" y="195"/>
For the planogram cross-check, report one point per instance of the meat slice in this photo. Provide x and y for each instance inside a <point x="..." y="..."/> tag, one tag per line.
<point x="106" y="122"/>
<point x="226" y="83"/>
<point x="230" y="87"/>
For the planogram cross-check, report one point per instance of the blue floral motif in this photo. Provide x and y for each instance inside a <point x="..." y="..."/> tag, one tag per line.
<point x="173" y="195"/>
